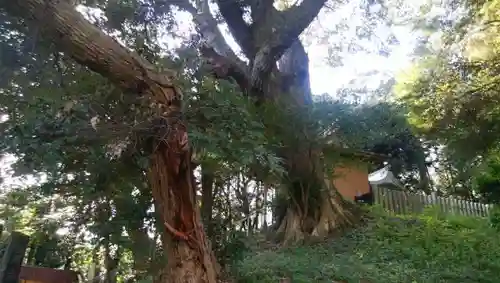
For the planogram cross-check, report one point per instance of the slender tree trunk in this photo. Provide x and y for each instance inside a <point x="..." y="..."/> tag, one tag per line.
<point x="228" y="205"/>
<point x="258" y="206"/>
<point x="264" y="206"/>
<point x="95" y="273"/>
<point x="189" y="257"/>
<point x="207" y="199"/>
<point x="246" y="206"/>
<point x="110" y="262"/>
<point x="67" y="263"/>
<point x="143" y="246"/>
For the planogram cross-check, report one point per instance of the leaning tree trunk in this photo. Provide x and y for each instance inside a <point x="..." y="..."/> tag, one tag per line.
<point x="315" y="207"/>
<point x="189" y="257"/>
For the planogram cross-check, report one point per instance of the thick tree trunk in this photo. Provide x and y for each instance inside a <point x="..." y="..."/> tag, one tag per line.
<point x="266" y="39"/>
<point x="12" y="254"/>
<point x="263" y="41"/>
<point x="188" y="252"/>
<point x="316" y="209"/>
<point x="189" y="257"/>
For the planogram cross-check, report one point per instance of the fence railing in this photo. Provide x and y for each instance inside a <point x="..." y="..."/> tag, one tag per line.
<point x="401" y="202"/>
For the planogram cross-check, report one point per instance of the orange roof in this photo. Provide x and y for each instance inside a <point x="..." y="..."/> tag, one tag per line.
<point x="47" y="275"/>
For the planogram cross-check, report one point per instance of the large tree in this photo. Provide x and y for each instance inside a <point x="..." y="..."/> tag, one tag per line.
<point x="452" y="98"/>
<point x="263" y="42"/>
<point x="267" y="34"/>
<point x="170" y="172"/>
<point x="272" y="34"/>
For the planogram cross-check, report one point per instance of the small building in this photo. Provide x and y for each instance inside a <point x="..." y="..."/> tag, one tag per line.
<point x="31" y="274"/>
<point x="384" y="177"/>
<point x="351" y="175"/>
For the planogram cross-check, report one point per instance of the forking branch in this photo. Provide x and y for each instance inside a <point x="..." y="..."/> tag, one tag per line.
<point x="263" y="41"/>
<point x="269" y="35"/>
<point x="223" y="60"/>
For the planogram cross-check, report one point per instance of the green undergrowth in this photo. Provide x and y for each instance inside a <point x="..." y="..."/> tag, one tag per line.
<point x="388" y="249"/>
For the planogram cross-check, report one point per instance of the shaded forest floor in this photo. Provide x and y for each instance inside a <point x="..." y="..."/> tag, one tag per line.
<point x="421" y="249"/>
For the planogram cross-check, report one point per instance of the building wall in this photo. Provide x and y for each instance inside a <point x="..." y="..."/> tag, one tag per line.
<point x="351" y="180"/>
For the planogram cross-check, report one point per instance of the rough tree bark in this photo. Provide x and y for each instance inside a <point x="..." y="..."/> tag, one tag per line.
<point x="190" y="259"/>
<point x="307" y="184"/>
<point x="272" y="35"/>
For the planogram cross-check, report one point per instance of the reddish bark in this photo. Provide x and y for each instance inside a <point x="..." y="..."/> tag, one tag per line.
<point x="189" y="257"/>
<point x="45" y="275"/>
<point x="188" y="253"/>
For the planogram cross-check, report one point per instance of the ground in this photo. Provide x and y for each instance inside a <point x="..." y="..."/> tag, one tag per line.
<point x="421" y="249"/>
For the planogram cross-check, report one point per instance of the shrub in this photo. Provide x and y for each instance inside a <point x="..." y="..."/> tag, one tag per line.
<point x="390" y="249"/>
<point x="495" y="217"/>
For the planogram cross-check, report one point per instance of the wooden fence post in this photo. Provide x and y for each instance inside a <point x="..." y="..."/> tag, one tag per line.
<point x="400" y="202"/>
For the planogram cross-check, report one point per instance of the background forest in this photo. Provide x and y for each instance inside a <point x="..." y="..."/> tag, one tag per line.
<point x="257" y="102"/>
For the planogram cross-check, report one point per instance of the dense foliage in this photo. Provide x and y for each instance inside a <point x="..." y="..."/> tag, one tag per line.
<point x="389" y="249"/>
<point x="81" y="140"/>
<point x="451" y="92"/>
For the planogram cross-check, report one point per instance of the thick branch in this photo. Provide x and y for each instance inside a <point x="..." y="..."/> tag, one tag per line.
<point x="260" y="11"/>
<point x="206" y="25"/>
<point x="233" y="15"/>
<point x="224" y="68"/>
<point x="292" y="23"/>
<point x="287" y="26"/>
<point x="224" y="62"/>
<point x="87" y="44"/>
<point x="294" y="67"/>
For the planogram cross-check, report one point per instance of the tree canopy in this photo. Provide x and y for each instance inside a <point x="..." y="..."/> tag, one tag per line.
<point x="98" y="106"/>
<point x="451" y="94"/>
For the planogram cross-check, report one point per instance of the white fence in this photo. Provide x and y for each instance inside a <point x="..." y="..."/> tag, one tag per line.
<point x="401" y="202"/>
